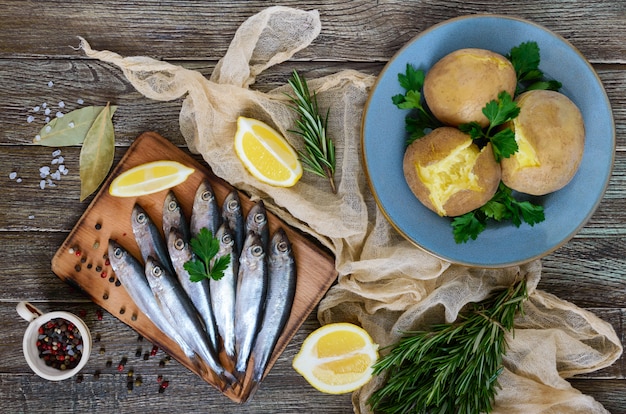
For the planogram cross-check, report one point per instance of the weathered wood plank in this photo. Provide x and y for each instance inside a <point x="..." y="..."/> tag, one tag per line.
<point x="25" y="86"/>
<point x="351" y="29"/>
<point x="282" y="391"/>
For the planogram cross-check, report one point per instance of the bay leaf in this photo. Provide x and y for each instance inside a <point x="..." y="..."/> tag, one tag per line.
<point x="71" y="129"/>
<point x="96" y="155"/>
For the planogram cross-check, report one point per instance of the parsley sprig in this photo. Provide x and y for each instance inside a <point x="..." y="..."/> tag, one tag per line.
<point x="525" y="59"/>
<point x="422" y="120"/>
<point x="498" y="112"/>
<point x="453" y="368"/>
<point x="205" y="265"/>
<point x="502" y="207"/>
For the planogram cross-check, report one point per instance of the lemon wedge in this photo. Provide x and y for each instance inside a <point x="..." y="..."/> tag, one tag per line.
<point x="337" y="358"/>
<point x="266" y="154"/>
<point x="149" y="178"/>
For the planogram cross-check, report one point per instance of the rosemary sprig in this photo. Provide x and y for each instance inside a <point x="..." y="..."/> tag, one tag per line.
<point x="454" y="367"/>
<point x="319" y="154"/>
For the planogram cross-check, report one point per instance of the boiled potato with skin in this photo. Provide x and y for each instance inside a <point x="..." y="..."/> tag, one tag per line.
<point x="550" y="135"/>
<point x="449" y="174"/>
<point x="458" y="86"/>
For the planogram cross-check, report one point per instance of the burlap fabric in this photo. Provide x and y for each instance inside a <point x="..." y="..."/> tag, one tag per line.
<point x="385" y="283"/>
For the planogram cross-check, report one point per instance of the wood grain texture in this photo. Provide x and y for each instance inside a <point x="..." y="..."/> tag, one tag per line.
<point x="36" y="46"/>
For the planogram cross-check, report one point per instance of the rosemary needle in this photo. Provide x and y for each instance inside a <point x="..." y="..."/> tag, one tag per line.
<point x="319" y="155"/>
<point x="453" y="368"/>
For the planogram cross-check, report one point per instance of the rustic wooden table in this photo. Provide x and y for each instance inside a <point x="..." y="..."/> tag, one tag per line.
<point x="39" y="65"/>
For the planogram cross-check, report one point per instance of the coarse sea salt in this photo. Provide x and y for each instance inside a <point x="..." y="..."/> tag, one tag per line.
<point x="61" y="104"/>
<point x="56" y="153"/>
<point x="30" y="119"/>
<point x="36" y="109"/>
<point x="71" y="124"/>
<point x="59" y="114"/>
<point x="13" y="175"/>
<point x="42" y="184"/>
<point x="51" y="84"/>
<point x="63" y="169"/>
<point x="47" y="111"/>
<point x="80" y="101"/>
<point x="48" y="128"/>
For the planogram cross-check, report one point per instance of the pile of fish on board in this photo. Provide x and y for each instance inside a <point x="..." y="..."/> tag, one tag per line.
<point x="241" y="314"/>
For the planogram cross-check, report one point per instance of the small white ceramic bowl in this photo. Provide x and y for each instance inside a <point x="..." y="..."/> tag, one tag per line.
<point x="37" y="318"/>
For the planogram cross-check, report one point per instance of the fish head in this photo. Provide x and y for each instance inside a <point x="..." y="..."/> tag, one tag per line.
<point x="280" y="245"/>
<point x="257" y="217"/>
<point x="154" y="270"/>
<point x="170" y="205"/>
<point x="232" y="204"/>
<point x="204" y="193"/>
<point x="139" y="217"/>
<point x="253" y="250"/>
<point x="226" y="238"/>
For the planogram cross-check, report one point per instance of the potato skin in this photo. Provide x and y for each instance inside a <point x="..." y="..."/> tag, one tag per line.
<point x="436" y="146"/>
<point x="553" y="126"/>
<point x="459" y="85"/>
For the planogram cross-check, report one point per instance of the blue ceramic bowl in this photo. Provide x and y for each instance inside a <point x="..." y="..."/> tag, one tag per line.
<point x="501" y="244"/>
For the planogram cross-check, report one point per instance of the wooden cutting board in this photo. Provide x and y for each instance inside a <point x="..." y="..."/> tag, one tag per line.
<point x="82" y="258"/>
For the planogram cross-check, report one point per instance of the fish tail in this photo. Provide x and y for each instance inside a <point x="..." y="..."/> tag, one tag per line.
<point x="229" y="379"/>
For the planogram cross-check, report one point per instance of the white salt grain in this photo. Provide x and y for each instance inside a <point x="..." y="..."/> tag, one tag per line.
<point x="19" y="180"/>
<point x="44" y="105"/>
<point x="61" y="104"/>
<point x="47" y="111"/>
<point x="48" y="128"/>
<point x="31" y="217"/>
<point x="63" y="169"/>
<point x="50" y="183"/>
<point x="71" y="124"/>
<point x="56" y="175"/>
<point x="51" y="84"/>
<point x="56" y="153"/>
<point x="42" y="184"/>
<point x="80" y="101"/>
<point x="12" y="175"/>
<point x="59" y="114"/>
<point x="36" y="109"/>
<point x="30" y="119"/>
<point x="60" y="159"/>
<point x="47" y="119"/>
<point x="44" y="171"/>
<point x="37" y="137"/>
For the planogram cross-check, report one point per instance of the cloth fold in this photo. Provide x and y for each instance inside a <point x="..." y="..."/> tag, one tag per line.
<point x="385" y="284"/>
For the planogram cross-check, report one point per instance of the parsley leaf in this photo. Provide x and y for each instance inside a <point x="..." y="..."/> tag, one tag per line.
<point x="498" y="112"/>
<point x="205" y="247"/>
<point x="420" y="121"/>
<point x="502" y="206"/>
<point x="525" y="59"/>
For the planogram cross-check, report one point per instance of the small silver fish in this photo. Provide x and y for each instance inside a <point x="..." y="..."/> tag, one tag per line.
<point x="232" y="213"/>
<point x="205" y="211"/>
<point x="280" y="295"/>
<point x="256" y="221"/>
<point x="251" y="288"/>
<point x="148" y="237"/>
<point x="197" y="292"/>
<point x="181" y="313"/>
<point x="223" y="291"/>
<point x="173" y="217"/>
<point x="130" y="272"/>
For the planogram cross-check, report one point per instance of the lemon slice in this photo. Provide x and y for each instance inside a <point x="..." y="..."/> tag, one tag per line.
<point x="337" y="358"/>
<point x="149" y="178"/>
<point x="266" y="154"/>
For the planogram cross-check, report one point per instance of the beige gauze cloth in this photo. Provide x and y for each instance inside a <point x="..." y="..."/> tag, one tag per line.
<point x="385" y="284"/>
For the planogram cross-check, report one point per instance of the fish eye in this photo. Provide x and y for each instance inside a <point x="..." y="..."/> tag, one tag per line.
<point x="118" y="253"/>
<point x="257" y="251"/>
<point x="227" y="239"/>
<point x="282" y="246"/>
<point x="233" y="205"/>
<point x="172" y="205"/>
<point x="179" y="244"/>
<point x="206" y="195"/>
<point x="157" y="271"/>
<point x="141" y="218"/>
<point x="259" y="218"/>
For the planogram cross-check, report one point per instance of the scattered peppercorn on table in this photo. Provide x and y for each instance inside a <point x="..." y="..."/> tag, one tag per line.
<point x="43" y="77"/>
